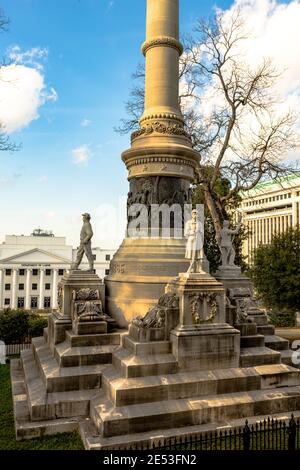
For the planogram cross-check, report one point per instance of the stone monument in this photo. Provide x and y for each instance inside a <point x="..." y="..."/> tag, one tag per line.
<point x="161" y="165"/>
<point x="81" y="295"/>
<point x="179" y="370"/>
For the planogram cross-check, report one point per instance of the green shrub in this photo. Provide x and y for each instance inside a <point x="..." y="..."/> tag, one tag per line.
<point x="13" y="326"/>
<point x="17" y="325"/>
<point x="283" y="319"/>
<point x="276" y="271"/>
<point x="36" y="325"/>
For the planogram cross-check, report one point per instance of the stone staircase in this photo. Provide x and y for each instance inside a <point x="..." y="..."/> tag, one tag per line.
<point x="145" y="396"/>
<point x="272" y="341"/>
<point x="121" y="391"/>
<point x="52" y="390"/>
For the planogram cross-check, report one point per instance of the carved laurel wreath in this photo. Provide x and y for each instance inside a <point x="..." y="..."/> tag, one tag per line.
<point x="196" y="299"/>
<point x="174" y="129"/>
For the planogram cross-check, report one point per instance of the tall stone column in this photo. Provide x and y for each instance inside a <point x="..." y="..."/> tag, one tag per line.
<point x="54" y="289"/>
<point x="28" y="288"/>
<point x="1" y="287"/>
<point x="41" y="292"/>
<point x="14" y="289"/>
<point x="161" y="166"/>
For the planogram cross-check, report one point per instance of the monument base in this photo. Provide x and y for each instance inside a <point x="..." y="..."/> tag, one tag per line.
<point x="139" y="273"/>
<point x="204" y="347"/>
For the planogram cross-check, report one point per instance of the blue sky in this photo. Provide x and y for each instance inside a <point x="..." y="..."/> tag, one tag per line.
<point x="93" y="48"/>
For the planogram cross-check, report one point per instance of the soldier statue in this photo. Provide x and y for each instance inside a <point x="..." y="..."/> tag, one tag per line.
<point x="194" y="246"/>
<point x="85" y="246"/>
<point x="226" y="244"/>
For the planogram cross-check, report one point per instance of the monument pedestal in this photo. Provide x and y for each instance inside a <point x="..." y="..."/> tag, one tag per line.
<point x="203" y="340"/>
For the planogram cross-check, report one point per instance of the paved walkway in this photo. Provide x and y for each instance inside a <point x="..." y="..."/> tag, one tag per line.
<point x="288" y="333"/>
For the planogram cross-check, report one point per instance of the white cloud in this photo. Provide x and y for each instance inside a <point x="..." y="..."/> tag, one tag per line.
<point x="31" y="57"/>
<point x="81" y="155"/>
<point x="22" y="89"/>
<point x="85" y="122"/>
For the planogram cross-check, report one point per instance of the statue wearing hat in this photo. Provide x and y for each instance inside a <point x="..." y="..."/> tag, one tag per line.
<point x="85" y="247"/>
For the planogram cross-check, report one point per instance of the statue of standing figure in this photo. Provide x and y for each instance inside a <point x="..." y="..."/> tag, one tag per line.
<point x="226" y="243"/>
<point x="85" y="246"/>
<point x="194" y="233"/>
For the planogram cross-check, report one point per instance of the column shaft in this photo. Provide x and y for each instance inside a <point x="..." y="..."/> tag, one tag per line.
<point x="41" y="296"/>
<point x="54" y="289"/>
<point x="1" y="288"/>
<point x="14" y="289"/>
<point x="28" y="289"/>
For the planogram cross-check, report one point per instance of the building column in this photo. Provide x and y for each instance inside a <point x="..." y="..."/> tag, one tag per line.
<point x="294" y="210"/>
<point x="28" y="289"/>
<point x="1" y="288"/>
<point x="54" y="289"/>
<point x="273" y="226"/>
<point x="14" y="289"/>
<point x="41" y="296"/>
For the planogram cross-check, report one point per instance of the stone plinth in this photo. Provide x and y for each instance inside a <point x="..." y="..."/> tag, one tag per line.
<point x="203" y="340"/>
<point x="67" y="317"/>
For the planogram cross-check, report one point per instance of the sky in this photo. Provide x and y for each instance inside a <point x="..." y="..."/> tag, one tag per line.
<point x="68" y="76"/>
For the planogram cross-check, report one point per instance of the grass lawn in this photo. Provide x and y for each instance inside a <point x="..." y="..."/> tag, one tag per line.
<point x="7" y="432"/>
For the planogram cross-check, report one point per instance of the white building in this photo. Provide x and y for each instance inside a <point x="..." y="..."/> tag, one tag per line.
<point x="270" y="208"/>
<point x="31" y="267"/>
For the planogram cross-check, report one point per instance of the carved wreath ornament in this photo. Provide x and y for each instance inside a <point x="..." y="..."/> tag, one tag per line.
<point x="173" y="129"/>
<point x="197" y="303"/>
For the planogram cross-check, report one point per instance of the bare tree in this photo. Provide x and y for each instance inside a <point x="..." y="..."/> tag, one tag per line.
<point x="5" y="143"/>
<point x="230" y="110"/>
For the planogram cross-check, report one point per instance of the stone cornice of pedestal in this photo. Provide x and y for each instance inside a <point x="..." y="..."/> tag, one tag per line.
<point x="176" y="161"/>
<point x="160" y="41"/>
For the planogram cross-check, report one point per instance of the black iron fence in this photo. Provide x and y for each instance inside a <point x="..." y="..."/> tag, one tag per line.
<point x="269" y="434"/>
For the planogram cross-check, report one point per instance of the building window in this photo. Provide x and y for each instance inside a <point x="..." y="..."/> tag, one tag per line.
<point x="21" y="272"/>
<point x="35" y="272"/>
<point x="47" y="302"/>
<point x="107" y="257"/>
<point x="7" y="286"/>
<point x="61" y="272"/>
<point x="48" y="272"/>
<point x="34" y="286"/>
<point x="8" y="272"/>
<point x="7" y="302"/>
<point x="34" y="302"/>
<point x="106" y="272"/>
<point x="21" y="302"/>
<point x="47" y="286"/>
<point x="21" y="286"/>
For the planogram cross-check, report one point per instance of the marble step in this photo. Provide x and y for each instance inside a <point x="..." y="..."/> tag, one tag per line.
<point x="123" y="392"/>
<point x="140" y="349"/>
<point x="93" y="340"/>
<point x="276" y="343"/>
<point x="266" y="330"/>
<point x="92" y="440"/>
<point x="115" y="421"/>
<point x="287" y="358"/>
<point x="25" y="428"/>
<point x="67" y="356"/>
<point x="252" y="341"/>
<point x="260" y="319"/>
<point x="64" y="379"/>
<point x="141" y="366"/>
<point x="250" y="357"/>
<point x="45" y="406"/>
